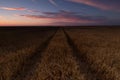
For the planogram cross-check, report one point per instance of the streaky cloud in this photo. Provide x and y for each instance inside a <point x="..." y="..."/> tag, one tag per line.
<point x="66" y="16"/>
<point x="33" y="11"/>
<point x="53" y="3"/>
<point x="101" y="4"/>
<point x="12" y="9"/>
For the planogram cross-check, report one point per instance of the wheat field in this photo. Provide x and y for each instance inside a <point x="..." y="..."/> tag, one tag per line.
<point x="60" y="53"/>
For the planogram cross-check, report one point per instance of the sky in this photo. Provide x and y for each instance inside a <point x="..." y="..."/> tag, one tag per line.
<point x="59" y="12"/>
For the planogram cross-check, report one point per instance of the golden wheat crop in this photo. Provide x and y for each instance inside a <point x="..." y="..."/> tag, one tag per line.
<point x="57" y="62"/>
<point x="101" y="47"/>
<point x="68" y="54"/>
<point x="12" y="61"/>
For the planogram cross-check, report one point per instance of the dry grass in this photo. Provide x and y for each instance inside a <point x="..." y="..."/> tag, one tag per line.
<point x="76" y="54"/>
<point x="101" y="47"/>
<point x="57" y="62"/>
<point x="12" y="61"/>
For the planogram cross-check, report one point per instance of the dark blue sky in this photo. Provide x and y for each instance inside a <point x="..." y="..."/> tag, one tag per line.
<point x="59" y="12"/>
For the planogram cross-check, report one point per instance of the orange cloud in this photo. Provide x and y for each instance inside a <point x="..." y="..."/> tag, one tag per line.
<point x="16" y="20"/>
<point x="11" y="8"/>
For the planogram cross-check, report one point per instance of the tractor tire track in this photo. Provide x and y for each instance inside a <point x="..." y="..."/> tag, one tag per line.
<point x="88" y="66"/>
<point x="31" y="62"/>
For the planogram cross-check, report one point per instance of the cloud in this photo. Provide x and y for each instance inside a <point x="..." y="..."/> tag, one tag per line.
<point x="73" y="16"/>
<point x="101" y="4"/>
<point x="53" y="3"/>
<point x="33" y="16"/>
<point x="66" y="17"/>
<point x="33" y="11"/>
<point x="11" y="8"/>
<point x="19" y="9"/>
<point x="33" y="0"/>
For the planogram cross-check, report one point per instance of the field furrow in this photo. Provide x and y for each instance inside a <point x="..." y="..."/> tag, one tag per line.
<point x="81" y="58"/>
<point x="18" y="64"/>
<point x="60" y="53"/>
<point x="57" y="62"/>
<point x="30" y="64"/>
<point x="96" y="69"/>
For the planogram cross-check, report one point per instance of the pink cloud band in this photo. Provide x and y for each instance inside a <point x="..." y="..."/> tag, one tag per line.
<point x="101" y="4"/>
<point x="11" y="8"/>
<point x="66" y="17"/>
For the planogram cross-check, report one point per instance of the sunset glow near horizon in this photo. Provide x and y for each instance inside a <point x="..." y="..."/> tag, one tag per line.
<point x="59" y="12"/>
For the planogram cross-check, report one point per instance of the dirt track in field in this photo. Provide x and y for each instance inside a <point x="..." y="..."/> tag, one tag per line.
<point x="87" y="66"/>
<point x="31" y="62"/>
